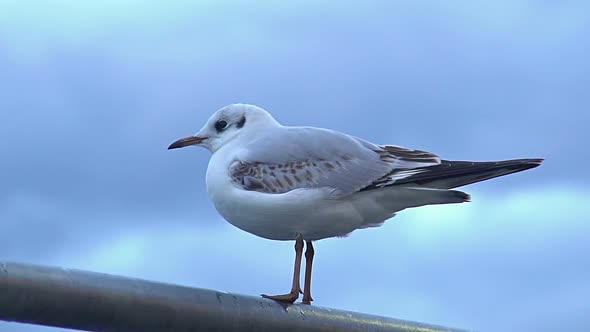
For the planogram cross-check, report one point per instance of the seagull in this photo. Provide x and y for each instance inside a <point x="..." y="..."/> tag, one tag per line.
<point x="305" y="184"/>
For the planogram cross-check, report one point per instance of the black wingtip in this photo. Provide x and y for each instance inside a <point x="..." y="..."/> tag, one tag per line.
<point x="453" y="174"/>
<point x="464" y="196"/>
<point x="532" y="162"/>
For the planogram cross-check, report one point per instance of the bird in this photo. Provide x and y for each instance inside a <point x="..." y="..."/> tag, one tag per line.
<point x="304" y="184"/>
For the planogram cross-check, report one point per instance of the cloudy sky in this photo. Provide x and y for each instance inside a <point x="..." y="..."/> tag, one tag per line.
<point x="92" y="93"/>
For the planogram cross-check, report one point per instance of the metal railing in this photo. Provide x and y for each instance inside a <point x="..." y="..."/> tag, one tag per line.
<point x="98" y="302"/>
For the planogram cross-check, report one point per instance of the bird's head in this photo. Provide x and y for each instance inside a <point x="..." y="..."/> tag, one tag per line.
<point x="227" y="124"/>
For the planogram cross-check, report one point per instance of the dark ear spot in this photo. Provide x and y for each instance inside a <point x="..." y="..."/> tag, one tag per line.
<point x="242" y="122"/>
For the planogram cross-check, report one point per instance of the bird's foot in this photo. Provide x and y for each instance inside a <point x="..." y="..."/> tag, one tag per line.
<point x="287" y="298"/>
<point x="307" y="299"/>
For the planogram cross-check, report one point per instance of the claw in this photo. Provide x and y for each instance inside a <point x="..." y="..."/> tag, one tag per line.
<point x="287" y="298"/>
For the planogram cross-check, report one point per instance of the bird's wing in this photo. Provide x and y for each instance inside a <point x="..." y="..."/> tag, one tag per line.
<point x="289" y="158"/>
<point x="451" y="174"/>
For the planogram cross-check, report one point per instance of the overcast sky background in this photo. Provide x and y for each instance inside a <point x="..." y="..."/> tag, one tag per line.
<point x="92" y="93"/>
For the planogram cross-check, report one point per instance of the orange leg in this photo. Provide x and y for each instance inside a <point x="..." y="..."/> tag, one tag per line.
<point x="293" y="295"/>
<point x="308" y="263"/>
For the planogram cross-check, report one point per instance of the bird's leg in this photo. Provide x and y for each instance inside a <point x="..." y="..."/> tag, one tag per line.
<point x="308" y="263"/>
<point x="295" y="288"/>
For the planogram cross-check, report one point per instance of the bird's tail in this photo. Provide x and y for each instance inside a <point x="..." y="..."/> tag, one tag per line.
<point x="452" y="174"/>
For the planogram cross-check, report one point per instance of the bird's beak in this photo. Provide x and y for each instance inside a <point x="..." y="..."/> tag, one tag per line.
<point x="187" y="141"/>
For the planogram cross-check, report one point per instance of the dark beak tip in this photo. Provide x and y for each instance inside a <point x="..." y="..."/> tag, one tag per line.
<point x="187" y="141"/>
<point x="174" y="145"/>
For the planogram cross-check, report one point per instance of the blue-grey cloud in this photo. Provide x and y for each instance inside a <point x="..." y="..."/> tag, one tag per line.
<point x="91" y="95"/>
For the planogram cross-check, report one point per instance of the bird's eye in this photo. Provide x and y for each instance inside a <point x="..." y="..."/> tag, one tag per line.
<point x="220" y="125"/>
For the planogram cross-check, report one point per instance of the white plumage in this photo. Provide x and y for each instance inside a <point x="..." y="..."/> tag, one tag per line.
<point x="306" y="184"/>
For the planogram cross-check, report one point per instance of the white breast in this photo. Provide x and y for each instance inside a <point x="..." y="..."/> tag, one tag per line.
<point x="278" y="216"/>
